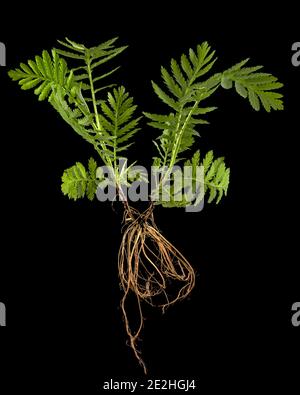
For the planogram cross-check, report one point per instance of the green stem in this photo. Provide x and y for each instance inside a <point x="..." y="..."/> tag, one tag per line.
<point x="179" y="136"/>
<point x="98" y="125"/>
<point x="179" y="133"/>
<point x="115" y="143"/>
<point x="89" y="70"/>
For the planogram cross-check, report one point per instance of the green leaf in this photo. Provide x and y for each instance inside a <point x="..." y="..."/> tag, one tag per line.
<point x="31" y="83"/>
<point x="92" y="165"/>
<point x="77" y="182"/>
<point x="117" y="118"/>
<point x="178" y="75"/>
<point x="44" y="74"/>
<point x="226" y="83"/>
<point x="164" y="97"/>
<point x="45" y="91"/>
<point x="208" y="159"/>
<point x="241" y="90"/>
<point x="236" y="67"/>
<point x="254" y="100"/>
<point x="258" y="87"/>
<point x="91" y="59"/>
<point x="186" y="66"/>
<point x="183" y="94"/>
<point x="216" y="177"/>
<point x="69" y="54"/>
<point x="171" y="84"/>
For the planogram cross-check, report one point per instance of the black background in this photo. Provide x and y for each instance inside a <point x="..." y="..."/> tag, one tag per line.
<point x="58" y="275"/>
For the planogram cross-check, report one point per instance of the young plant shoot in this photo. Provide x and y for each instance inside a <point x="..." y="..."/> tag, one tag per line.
<point x="103" y="114"/>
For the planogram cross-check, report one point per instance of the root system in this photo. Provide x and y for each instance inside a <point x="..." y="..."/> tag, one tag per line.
<point x="150" y="268"/>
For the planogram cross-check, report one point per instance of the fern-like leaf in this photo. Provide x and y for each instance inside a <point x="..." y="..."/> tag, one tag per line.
<point x="187" y="120"/>
<point x="184" y="94"/>
<point x="181" y="80"/>
<point x="212" y="179"/>
<point x="260" y="88"/>
<point x="78" y="182"/>
<point x="81" y="123"/>
<point x="117" y="119"/>
<point x="44" y="74"/>
<point x="90" y="58"/>
<point x="216" y="177"/>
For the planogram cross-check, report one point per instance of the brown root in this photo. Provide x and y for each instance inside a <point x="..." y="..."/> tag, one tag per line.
<point x="151" y="268"/>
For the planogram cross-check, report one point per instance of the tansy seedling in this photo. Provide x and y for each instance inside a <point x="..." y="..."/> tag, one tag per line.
<point x="148" y="263"/>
